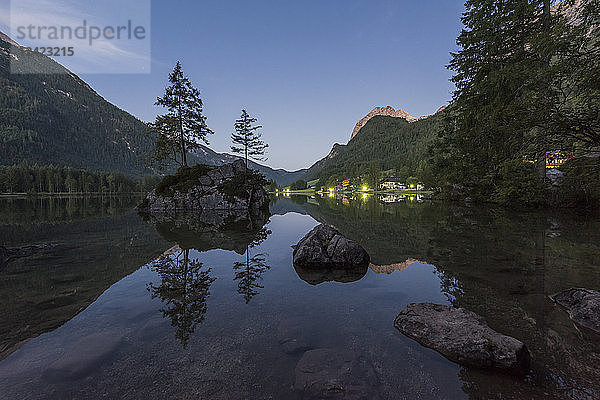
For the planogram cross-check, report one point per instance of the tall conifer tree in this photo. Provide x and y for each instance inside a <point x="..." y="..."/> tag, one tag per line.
<point x="247" y="140"/>
<point x="182" y="128"/>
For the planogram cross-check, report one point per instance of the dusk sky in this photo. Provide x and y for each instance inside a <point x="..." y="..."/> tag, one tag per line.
<point x="307" y="69"/>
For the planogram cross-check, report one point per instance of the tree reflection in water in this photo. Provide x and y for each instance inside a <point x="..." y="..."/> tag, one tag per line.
<point x="184" y="290"/>
<point x="249" y="272"/>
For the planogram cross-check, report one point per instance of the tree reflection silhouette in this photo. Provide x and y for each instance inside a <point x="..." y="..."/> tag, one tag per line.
<point x="249" y="272"/>
<point x="184" y="290"/>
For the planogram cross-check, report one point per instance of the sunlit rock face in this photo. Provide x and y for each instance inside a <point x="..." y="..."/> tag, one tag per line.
<point x="386" y="111"/>
<point x="464" y="337"/>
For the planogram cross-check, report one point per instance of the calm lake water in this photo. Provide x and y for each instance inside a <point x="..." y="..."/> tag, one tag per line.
<point x="101" y="314"/>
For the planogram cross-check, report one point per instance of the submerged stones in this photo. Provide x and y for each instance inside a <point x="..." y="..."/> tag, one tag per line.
<point x="294" y="336"/>
<point x="463" y="337"/>
<point x="84" y="356"/>
<point x="335" y="374"/>
<point x="7" y="254"/>
<point x="325" y="247"/>
<point x="583" y="306"/>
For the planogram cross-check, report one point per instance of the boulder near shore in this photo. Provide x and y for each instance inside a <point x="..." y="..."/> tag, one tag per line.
<point x="325" y="247"/>
<point x="463" y="337"/>
<point x="583" y="306"/>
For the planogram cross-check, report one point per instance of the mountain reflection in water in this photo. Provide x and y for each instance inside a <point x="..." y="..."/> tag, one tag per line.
<point x="228" y="291"/>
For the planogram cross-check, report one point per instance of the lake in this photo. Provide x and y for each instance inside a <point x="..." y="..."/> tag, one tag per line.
<point x="121" y="305"/>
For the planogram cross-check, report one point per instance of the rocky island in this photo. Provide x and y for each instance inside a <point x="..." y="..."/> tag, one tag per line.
<point x="203" y="188"/>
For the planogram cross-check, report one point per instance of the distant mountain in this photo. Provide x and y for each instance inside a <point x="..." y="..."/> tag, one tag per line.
<point x="316" y="168"/>
<point x="281" y="176"/>
<point x="57" y="118"/>
<point x="387" y="111"/>
<point x="388" y="136"/>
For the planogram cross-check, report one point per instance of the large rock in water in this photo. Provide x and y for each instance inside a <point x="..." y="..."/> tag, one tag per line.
<point x="463" y="337"/>
<point x="325" y="247"/>
<point x="206" y="192"/>
<point x="335" y="374"/>
<point x="583" y="306"/>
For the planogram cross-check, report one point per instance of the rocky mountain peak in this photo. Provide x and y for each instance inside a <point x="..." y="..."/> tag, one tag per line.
<point x="388" y="111"/>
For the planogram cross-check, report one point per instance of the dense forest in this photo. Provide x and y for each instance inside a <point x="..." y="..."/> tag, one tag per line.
<point x="56" y="118"/>
<point x="33" y="179"/>
<point x="527" y="83"/>
<point x="389" y="142"/>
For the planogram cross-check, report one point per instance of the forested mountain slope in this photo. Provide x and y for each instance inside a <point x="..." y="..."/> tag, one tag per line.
<point x="390" y="141"/>
<point x="56" y="118"/>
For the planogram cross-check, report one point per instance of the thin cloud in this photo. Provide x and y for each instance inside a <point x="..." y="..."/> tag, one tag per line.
<point x="103" y="55"/>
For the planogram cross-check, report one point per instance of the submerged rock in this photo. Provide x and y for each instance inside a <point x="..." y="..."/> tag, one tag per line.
<point x="335" y="374"/>
<point x="7" y="254"/>
<point x="325" y="247"/>
<point x="202" y="187"/>
<point x="583" y="306"/>
<point x="293" y="335"/>
<point x="463" y="337"/>
<point x="84" y="356"/>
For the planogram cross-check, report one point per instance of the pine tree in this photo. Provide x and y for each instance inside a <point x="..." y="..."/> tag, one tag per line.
<point x="180" y="130"/>
<point x="506" y="96"/>
<point x="246" y="139"/>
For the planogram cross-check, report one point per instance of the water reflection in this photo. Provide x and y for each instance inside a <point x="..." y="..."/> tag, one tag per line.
<point x="500" y="263"/>
<point x="203" y="231"/>
<point x="184" y="287"/>
<point x="248" y="274"/>
<point x="85" y="245"/>
<point x="183" y="290"/>
<point x="318" y="276"/>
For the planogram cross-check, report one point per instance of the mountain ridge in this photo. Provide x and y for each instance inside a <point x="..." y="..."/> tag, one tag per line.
<point x="388" y="111"/>
<point x="57" y="118"/>
<point x="372" y="122"/>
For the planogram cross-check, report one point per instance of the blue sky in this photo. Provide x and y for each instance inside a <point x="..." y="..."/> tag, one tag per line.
<point x="307" y="69"/>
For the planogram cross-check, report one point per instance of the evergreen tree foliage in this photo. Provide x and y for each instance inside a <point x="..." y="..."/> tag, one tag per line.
<point x="184" y="290"/>
<point x="300" y="184"/>
<point x="58" y="119"/>
<point x="247" y="140"/>
<point x="181" y="129"/>
<point x="33" y="179"/>
<point x="521" y="74"/>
